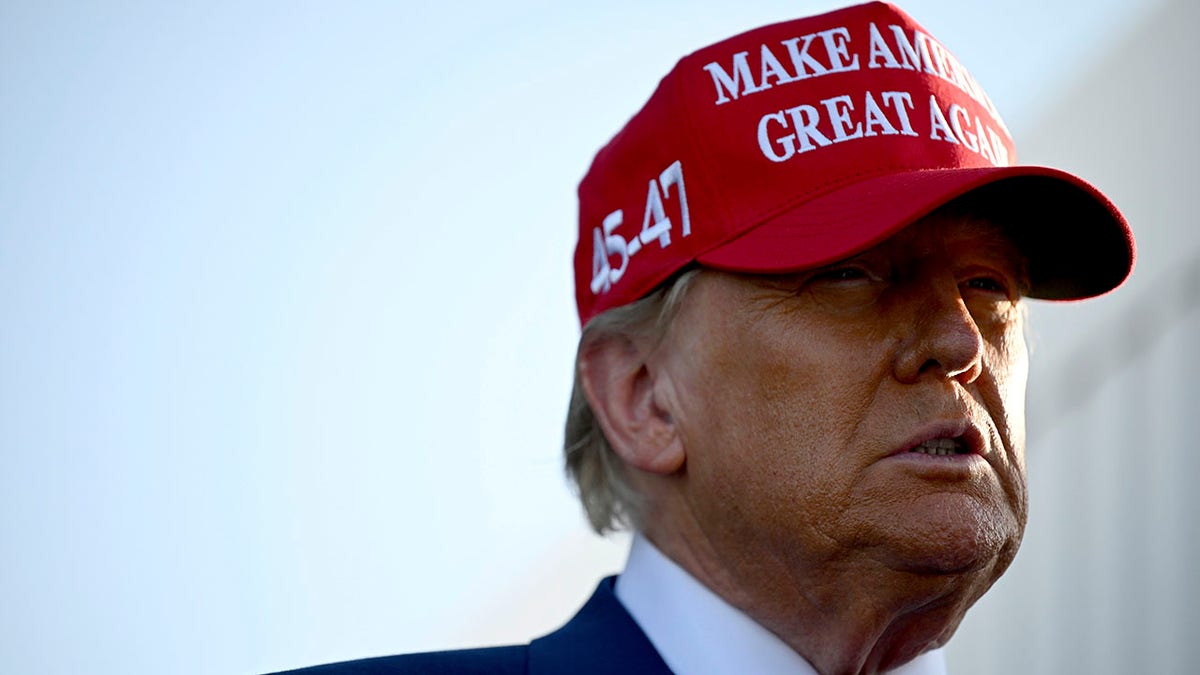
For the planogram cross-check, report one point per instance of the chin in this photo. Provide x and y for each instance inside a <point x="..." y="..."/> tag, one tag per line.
<point x="958" y="559"/>
<point x="956" y="540"/>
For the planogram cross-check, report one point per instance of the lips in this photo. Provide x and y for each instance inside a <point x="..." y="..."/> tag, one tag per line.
<point x="944" y="439"/>
<point x="942" y="446"/>
<point x="948" y="451"/>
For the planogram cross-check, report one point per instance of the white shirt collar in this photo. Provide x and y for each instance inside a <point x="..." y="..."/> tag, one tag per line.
<point x="678" y="613"/>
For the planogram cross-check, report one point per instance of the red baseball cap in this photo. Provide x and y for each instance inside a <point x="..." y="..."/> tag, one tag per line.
<point x="801" y="143"/>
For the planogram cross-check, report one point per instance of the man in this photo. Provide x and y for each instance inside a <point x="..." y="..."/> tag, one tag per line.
<point x="800" y="273"/>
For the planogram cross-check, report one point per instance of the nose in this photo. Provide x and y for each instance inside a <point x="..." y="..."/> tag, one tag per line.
<point x="944" y="343"/>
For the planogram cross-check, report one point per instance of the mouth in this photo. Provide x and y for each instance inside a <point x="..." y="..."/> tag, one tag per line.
<point x="949" y="439"/>
<point x="943" y="447"/>
<point x="945" y="451"/>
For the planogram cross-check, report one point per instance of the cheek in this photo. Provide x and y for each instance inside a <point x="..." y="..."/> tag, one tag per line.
<point x="796" y="388"/>
<point x="1010" y="359"/>
<point x="784" y="412"/>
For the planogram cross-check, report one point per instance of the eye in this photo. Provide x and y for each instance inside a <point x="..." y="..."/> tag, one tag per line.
<point x="847" y="285"/>
<point x="987" y="284"/>
<point x="842" y="274"/>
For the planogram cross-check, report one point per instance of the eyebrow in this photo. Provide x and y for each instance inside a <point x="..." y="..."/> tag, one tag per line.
<point x="994" y="237"/>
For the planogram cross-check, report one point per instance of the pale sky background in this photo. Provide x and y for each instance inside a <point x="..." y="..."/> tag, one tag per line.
<point x="288" y="319"/>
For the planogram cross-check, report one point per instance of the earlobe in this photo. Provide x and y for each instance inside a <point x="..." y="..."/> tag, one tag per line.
<point x="623" y="392"/>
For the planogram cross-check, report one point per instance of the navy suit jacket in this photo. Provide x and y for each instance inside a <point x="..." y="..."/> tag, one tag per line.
<point x="601" y="639"/>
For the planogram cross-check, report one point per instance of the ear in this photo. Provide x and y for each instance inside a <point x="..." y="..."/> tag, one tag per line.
<point x="621" y="389"/>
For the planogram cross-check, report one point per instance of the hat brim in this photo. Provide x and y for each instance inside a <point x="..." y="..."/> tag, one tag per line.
<point x="1078" y="245"/>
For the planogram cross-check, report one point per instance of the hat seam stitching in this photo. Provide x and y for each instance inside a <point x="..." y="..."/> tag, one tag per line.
<point x="692" y="139"/>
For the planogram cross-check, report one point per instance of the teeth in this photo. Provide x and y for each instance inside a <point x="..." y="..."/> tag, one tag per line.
<point x="938" y="446"/>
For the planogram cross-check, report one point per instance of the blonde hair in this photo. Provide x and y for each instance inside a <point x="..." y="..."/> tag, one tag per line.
<point x="599" y="475"/>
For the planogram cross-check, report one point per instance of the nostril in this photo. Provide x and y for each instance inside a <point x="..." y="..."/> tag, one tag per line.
<point x="930" y="366"/>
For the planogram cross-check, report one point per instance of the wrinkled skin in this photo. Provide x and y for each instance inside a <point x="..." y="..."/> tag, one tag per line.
<point x="789" y="400"/>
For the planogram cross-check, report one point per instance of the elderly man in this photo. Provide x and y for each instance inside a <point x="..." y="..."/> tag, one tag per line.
<point x="801" y="379"/>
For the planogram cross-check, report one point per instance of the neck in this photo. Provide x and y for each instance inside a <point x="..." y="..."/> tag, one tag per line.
<point x="845" y="614"/>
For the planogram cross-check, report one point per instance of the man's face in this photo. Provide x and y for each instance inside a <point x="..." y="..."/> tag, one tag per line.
<point x="799" y="400"/>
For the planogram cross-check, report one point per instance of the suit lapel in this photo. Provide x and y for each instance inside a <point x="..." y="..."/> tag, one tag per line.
<point x="601" y="639"/>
